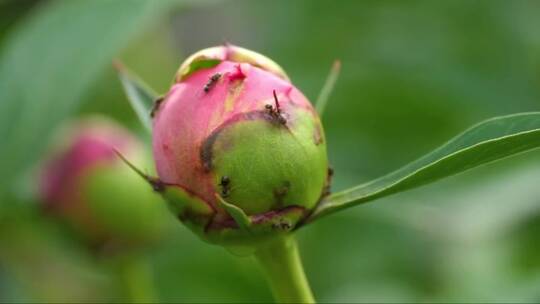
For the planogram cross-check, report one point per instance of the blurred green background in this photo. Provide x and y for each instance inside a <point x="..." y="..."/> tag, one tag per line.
<point x="415" y="73"/>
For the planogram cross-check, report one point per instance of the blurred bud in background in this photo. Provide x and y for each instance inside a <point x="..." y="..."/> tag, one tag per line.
<point x="87" y="185"/>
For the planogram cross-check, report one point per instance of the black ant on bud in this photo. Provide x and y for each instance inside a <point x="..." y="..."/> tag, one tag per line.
<point x="275" y="113"/>
<point x="330" y="171"/>
<point x="225" y="184"/>
<point x="211" y="82"/>
<point x="329" y="175"/>
<point x="156" y="105"/>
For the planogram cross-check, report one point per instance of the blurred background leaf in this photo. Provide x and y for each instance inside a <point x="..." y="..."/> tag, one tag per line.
<point x="414" y="74"/>
<point x="47" y="63"/>
<point x="44" y="265"/>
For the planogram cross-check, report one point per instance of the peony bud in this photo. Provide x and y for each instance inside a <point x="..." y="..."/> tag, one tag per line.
<point x="233" y="132"/>
<point x="87" y="184"/>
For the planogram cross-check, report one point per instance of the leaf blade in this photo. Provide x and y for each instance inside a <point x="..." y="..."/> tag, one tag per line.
<point x="328" y="87"/>
<point x="483" y="143"/>
<point x="140" y="96"/>
<point x="47" y="63"/>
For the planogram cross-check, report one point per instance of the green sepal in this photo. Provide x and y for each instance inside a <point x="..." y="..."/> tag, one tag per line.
<point x="197" y="64"/>
<point x="263" y="226"/>
<point x="191" y="210"/>
<point x="212" y="56"/>
<point x="181" y="201"/>
<point x="239" y="216"/>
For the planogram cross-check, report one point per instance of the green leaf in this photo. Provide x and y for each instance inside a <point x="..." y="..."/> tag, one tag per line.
<point x="140" y="95"/>
<point x="328" y="87"/>
<point x="486" y="142"/>
<point x="47" y="63"/>
<point x="241" y="218"/>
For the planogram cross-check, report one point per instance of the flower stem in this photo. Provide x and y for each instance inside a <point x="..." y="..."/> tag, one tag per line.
<point x="280" y="261"/>
<point x="136" y="276"/>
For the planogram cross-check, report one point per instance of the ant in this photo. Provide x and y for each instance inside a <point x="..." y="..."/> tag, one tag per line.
<point x="155" y="107"/>
<point x="275" y="113"/>
<point x="211" y="82"/>
<point x="225" y="184"/>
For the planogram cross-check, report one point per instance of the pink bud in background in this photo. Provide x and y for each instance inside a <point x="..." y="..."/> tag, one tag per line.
<point x="85" y="183"/>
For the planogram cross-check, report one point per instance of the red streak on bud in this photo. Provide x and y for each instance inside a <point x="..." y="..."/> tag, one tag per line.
<point x="278" y="110"/>
<point x="238" y="74"/>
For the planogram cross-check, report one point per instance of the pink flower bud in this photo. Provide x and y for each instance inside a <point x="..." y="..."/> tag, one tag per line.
<point x="234" y="126"/>
<point x="85" y="183"/>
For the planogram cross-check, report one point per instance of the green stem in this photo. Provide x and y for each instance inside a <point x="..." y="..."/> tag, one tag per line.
<point x="136" y="276"/>
<point x="280" y="261"/>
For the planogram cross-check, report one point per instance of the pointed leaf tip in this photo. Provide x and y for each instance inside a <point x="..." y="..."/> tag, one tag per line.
<point x="156" y="184"/>
<point x="328" y="87"/>
<point x="130" y="164"/>
<point x="140" y="95"/>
